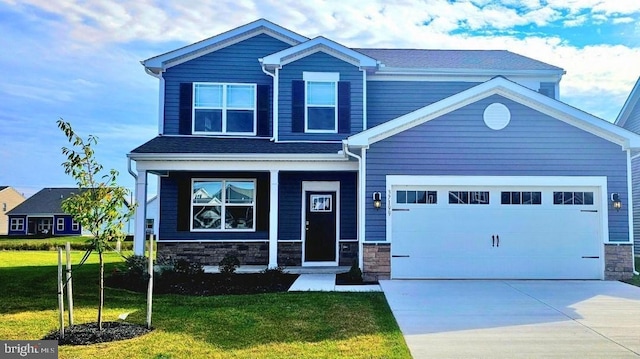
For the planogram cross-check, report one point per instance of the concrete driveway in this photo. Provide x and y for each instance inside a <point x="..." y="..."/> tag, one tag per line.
<point x="517" y="319"/>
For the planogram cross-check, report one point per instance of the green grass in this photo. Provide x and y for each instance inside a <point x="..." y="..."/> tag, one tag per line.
<point x="278" y="325"/>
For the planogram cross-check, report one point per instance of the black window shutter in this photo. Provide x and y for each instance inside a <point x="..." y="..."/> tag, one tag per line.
<point x="184" y="204"/>
<point x="263" y="108"/>
<point x="297" y="106"/>
<point x="344" y="106"/>
<point x="186" y="102"/>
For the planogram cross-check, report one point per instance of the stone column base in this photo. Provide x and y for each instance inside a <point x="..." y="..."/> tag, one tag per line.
<point x="377" y="261"/>
<point x="618" y="261"/>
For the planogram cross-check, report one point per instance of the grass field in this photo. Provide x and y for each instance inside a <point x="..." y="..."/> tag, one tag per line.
<point x="280" y="325"/>
<point x="50" y="243"/>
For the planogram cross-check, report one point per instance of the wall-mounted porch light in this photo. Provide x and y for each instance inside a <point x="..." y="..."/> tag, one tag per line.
<point x="377" y="200"/>
<point x="615" y="201"/>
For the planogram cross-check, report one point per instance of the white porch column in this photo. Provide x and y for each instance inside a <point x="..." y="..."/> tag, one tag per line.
<point x="139" y="235"/>
<point x="273" y="218"/>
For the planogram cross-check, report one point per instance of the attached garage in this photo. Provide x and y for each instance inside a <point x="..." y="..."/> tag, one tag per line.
<point x="496" y="227"/>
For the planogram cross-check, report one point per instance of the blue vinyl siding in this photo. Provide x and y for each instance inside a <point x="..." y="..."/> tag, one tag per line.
<point x="290" y="201"/>
<point x="633" y="121"/>
<point x="318" y="62"/>
<point x="460" y="144"/>
<point x="387" y="100"/>
<point x="235" y="63"/>
<point x="15" y="233"/>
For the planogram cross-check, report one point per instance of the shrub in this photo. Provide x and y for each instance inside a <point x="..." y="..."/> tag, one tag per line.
<point x="183" y="267"/>
<point x="355" y="274"/>
<point x="229" y="263"/>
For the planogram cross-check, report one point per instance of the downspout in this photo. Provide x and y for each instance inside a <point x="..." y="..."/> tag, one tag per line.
<point x="275" y="76"/>
<point x="135" y="176"/>
<point x="630" y="211"/>
<point x="361" y="204"/>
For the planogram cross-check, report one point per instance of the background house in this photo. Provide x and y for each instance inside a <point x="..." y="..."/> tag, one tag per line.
<point x="42" y="215"/>
<point x="9" y="199"/>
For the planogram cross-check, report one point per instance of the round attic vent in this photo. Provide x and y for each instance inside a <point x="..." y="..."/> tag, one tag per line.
<point x="496" y="116"/>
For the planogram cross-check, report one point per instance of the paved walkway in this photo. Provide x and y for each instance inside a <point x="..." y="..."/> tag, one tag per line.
<point x="517" y="319"/>
<point x="327" y="283"/>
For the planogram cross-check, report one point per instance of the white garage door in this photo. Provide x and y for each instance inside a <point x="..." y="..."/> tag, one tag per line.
<point x="496" y="232"/>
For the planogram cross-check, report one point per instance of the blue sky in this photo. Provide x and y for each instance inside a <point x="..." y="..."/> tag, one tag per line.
<point x="80" y="60"/>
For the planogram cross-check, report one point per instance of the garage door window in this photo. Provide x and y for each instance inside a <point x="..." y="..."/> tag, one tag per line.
<point x="417" y="197"/>
<point x="471" y="197"/>
<point x="521" y="198"/>
<point x="573" y="198"/>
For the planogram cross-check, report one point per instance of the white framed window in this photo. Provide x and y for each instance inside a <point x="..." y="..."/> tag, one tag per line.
<point x="45" y="225"/>
<point x="223" y="205"/>
<point x="224" y="108"/>
<point x="321" y="102"/>
<point x="17" y="224"/>
<point x="468" y="197"/>
<point x="75" y="226"/>
<point x="60" y="225"/>
<point x="416" y="197"/>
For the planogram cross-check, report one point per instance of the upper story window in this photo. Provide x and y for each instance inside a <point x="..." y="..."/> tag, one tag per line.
<point x="321" y="101"/>
<point x="221" y="108"/>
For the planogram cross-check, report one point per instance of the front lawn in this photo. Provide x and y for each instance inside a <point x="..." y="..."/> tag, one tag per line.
<point x="275" y="325"/>
<point x="49" y="243"/>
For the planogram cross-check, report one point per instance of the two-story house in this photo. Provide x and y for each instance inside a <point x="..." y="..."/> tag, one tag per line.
<point x="9" y="199"/>
<point x="414" y="163"/>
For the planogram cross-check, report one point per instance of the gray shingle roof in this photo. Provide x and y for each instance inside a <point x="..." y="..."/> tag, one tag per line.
<point x="3" y="187"/>
<point x="46" y="201"/>
<point x="456" y="59"/>
<point x="213" y="145"/>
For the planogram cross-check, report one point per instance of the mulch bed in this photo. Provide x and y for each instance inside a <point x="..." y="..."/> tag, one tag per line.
<point x="88" y="333"/>
<point x="208" y="283"/>
<point x="347" y="279"/>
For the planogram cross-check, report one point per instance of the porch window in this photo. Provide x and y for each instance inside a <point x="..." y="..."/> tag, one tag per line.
<point x="221" y="108"/>
<point x="17" y="224"/>
<point x="45" y="225"/>
<point x="75" y="226"/>
<point x="223" y="205"/>
<point x="60" y="225"/>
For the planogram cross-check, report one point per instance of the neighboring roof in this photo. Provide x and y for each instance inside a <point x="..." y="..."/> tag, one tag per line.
<point x="318" y="44"/>
<point x="508" y="89"/>
<point x="226" y="146"/>
<point x="629" y="105"/>
<point x="46" y="201"/>
<point x="160" y="63"/>
<point x="456" y="59"/>
<point x="3" y="187"/>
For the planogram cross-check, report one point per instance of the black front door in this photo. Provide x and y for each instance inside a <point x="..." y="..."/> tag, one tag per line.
<point x="320" y="240"/>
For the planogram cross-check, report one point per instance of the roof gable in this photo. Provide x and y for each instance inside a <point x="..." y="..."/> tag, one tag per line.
<point x="508" y="89"/>
<point x="323" y="44"/>
<point x="629" y="105"/>
<point x="162" y="62"/>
